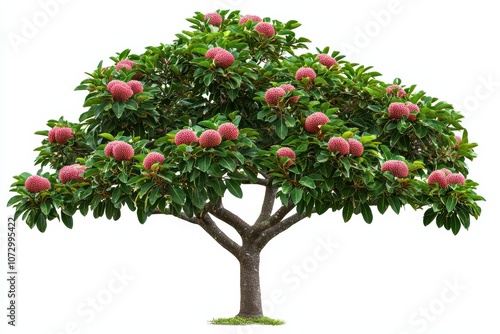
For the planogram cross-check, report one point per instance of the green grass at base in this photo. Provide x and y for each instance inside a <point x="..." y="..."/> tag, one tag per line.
<point x="247" y="321"/>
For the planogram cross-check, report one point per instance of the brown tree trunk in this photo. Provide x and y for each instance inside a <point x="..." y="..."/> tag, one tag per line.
<point x="250" y="297"/>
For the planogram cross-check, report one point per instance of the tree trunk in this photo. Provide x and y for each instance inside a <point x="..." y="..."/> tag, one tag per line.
<point x="250" y="297"/>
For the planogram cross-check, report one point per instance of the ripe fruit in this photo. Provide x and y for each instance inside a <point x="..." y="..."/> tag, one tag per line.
<point x="327" y="60"/>
<point x="211" y="53"/>
<point x="71" y="172"/>
<point x="265" y="28"/>
<point x="128" y="64"/>
<point x="398" y="109"/>
<point x="121" y="91"/>
<point x="273" y="95"/>
<point x="185" y="136"/>
<point x="439" y="177"/>
<point x="338" y="144"/>
<point x="136" y="86"/>
<point x="35" y="184"/>
<point x="213" y="18"/>
<point x="210" y="138"/>
<point x="305" y="72"/>
<point x="288" y="153"/>
<point x="245" y="18"/>
<point x="228" y="131"/>
<point x="108" y="150"/>
<point x="396" y="167"/>
<point x="152" y="158"/>
<point x="456" y="178"/>
<point x="392" y="89"/>
<point x="62" y="135"/>
<point x="414" y="110"/>
<point x="401" y="93"/>
<point x="224" y="59"/>
<point x="123" y="151"/>
<point x="112" y="83"/>
<point x="457" y="138"/>
<point x="355" y="147"/>
<point x="289" y="88"/>
<point x="315" y="121"/>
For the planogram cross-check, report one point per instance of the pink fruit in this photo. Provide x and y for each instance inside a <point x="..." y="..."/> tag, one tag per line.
<point x="338" y="144"/>
<point x="393" y="89"/>
<point x="136" y="86"/>
<point x="153" y="158"/>
<point x="62" y="135"/>
<point x="224" y="59"/>
<point x="305" y="72"/>
<point x="214" y="19"/>
<point x="414" y="110"/>
<point x="401" y="93"/>
<point x="289" y="88"/>
<point x="439" y="177"/>
<point x="273" y="95"/>
<point x="327" y="60"/>
<point x="71" y="172"/>
<point x="121" y="91"/>
<point x="36" y="183"/>
<point x="108" y="149"/>
<point x="228" y="131"/>
<point x="128" y="64"/>
<point x="288" y="153"/>
<point x="396" y="168"/>
<point x="52" y="134"/>
<point x="456" y="178"/>
<point x="185" y="136"/>
<point x="112" y="83"/>
<point x="355" y="147"/>
<point x="457" y="138"/>
<point x="265" y="28"/>
<point x="211" y="53"/>
<point x="245" y="18"/>
<point x="315" y="121"/>
<point x="210" y="138"/>
<point x="123" y="151"/>
<point x="397" y="110"/>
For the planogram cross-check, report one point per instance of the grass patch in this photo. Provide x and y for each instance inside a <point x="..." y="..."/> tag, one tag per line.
<point x="247" y="321"/>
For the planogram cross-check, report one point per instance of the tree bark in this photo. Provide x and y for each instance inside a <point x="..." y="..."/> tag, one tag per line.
<point x="250" y="296"/>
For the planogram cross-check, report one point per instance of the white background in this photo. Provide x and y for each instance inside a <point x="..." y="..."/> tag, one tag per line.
<point x="379" y="278"/>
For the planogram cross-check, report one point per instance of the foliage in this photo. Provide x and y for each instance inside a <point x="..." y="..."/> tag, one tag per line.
<point x="183" y="89"/>
<point x="237" y="321"/>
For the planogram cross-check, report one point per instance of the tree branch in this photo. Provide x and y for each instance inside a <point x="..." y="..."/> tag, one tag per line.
<point x="207" y="223"/>
<point x="272" y="220"/>
<point x="282" y="226"/>
<point x="233" y="220"/>
<point x="267" y="204"/>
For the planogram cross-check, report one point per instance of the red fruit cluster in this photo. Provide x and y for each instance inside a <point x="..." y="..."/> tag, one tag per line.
<point x="286" y="152"/>
<point x="128" y="64"/>
<point x="253" y="18"/>
<point x="214" y="19"/>
<point x="35" y="184"/>
<point x="210" y="138"/>
<point x="315" y="121"/>
<point x="327" y="60"/>
<point x="339" y="144"/>
<point x="136" y="86"/>
<point x="396" y="167"/>
<point x="355" y="147"/>
<point x="212" y="52"/>
<point x="153" y="158"/>
<point x="398" y="109"/>
<point x="305" y="72"/>
<point x="119" y="150"/>
<point x="265" y="28"/>
<point x="289" y="88"/>
<point x="185" y="136"/>
<point x="228" y="131"/>
<point x="273" y="95"/>
<point x="414" y="110"/>
<point x="120" y="90"/>
<point x="444" y="177"/>
<point x="395" y="89"/>
<point x="72" y="172"/>
<point x="221" y="57"/>
<point x="60" y="135"/>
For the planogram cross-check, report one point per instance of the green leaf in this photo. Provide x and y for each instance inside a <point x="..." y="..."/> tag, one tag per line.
<point x="118" y="108"/>
<point x="234" y="188"/>
<point x="107" y="136"/>
<point x="227" y="163"/>
<point x="429" y="216"/>
<point x="178" y="195"/>
<point x="14" y="199"/>
<point x="450" y="203"/>
<point x="296" y="195"/>
<point x="281" y="128"/>
<point x="45" y="207"/>
<point x="366" y="212"/>
<point x="395" y="204"/>
<point x="41" y="222"/>
<point x="307" y="182"/>
<point x="455" y="224"/>
<point x="348" y="210"/>
<point x="203" y="162"/>
<point x="67" y="220"/>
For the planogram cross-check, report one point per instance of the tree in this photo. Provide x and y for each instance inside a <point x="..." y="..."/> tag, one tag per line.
<point x="231" y="103"/>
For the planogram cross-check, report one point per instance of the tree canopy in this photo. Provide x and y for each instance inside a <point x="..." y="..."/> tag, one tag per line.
<point x="240" y="100"/>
